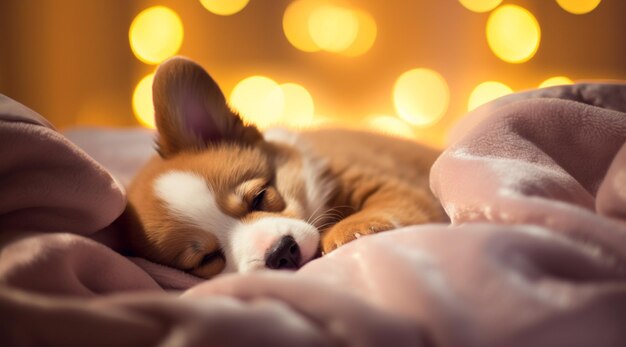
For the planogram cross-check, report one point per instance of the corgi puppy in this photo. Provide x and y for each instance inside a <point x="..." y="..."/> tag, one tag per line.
<point x="223" y="197"/>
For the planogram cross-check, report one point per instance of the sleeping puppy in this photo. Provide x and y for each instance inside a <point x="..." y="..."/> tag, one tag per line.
<point x="223" y="197"/>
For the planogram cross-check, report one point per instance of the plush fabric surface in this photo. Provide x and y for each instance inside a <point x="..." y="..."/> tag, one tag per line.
<point x="534" y="183"/>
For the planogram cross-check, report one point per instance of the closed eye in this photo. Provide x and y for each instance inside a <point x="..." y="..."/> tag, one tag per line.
<point x="257" y="202"/>
<point x="211" y="257"/>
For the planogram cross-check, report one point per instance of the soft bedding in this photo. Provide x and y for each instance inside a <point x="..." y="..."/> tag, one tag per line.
<point x="534" y="184"/>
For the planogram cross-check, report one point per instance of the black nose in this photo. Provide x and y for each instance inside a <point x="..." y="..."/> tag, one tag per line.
<point x="285" y="254"/>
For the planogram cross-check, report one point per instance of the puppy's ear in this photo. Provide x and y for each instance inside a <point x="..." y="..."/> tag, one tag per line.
<point x="191" y="112"/>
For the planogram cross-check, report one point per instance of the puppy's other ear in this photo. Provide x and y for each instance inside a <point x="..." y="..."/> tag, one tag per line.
<point x="191" y="112"/>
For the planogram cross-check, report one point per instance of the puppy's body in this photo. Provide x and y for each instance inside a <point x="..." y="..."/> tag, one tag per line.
<point x="222" y="197"/>
<point x="381" y="183"/>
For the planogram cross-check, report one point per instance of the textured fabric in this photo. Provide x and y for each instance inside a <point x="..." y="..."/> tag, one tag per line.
<point x="49" y="184"/>
<point x="535" y="256"/>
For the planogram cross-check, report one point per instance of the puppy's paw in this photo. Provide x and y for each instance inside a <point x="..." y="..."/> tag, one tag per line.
<point x="350" y="229"/>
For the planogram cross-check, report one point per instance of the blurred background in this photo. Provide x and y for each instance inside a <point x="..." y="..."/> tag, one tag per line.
<point x="411" y="68"/>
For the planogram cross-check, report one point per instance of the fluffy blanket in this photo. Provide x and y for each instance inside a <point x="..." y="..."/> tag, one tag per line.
<point x="534" y="184"/>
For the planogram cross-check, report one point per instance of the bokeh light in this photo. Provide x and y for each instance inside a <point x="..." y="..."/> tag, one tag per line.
<point x="156" y="34"/>
<point x="578" y="6"/>
<point x="142" y="102"/>
<point x="366" y="35"/>
<point x="224" y="7"/>
<point x="421" y="96"/>
<point x="480" y="5"/>
<point x="323" y="121"/>
<point x="513" y="33"/>
<point x="390" y="125"/>
<point x="555" y="81"/>
<point x="486" y="92"/>
<point x="333" y="28"/>
<point x="299" y="109"/>
<point x="296" y="24"/>
<point x="259" y="100"/>
<point x="314" y="25"/>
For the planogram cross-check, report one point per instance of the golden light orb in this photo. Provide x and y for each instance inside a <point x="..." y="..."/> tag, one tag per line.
<point x="298" y="110"/>
<point x="142" y="102"/>
<point x="513" y="33"/>
<point x="421" y="96"/>
<point x="156" y="34"/>
<point x="480" y="5"/>
<point x="259" y="100"/>
<point x="224" y="7"/>
<point x="296" y="24"/>
<point x="556" y="81"/>
<point x="485" y="92"/>
<point x="578" y="6"/>
<point x="333" y="28"/>
<point x="366" y="35"/>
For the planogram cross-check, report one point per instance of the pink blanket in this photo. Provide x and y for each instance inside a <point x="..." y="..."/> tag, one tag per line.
<point x="536" y="255"/>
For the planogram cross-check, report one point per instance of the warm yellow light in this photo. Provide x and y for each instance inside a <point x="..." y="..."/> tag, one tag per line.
<point x="156" y="34"/>
<point x="578" y="6"/>
<point x="142" y="102"/>
<point x="298" y="109"/>
<point x="224" y="7"/>
<point x="259" y="100"/>
<point x="555" y="81"/>
<point x="323" y="121"/>
<point x="365" y="37"/>
<point x="480" y="5"/>
<point x="296" y="24"/>
<point x="513" y="33"/>
<point x="314" y="25"/>
<point x="486" y="92"/>
<point x="421" y="96"/>
<point x="390" y="125"/>
<point x="333" y="28"/>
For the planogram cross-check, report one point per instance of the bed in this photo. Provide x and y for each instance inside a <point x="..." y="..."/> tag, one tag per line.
<point x="534" y="184"/>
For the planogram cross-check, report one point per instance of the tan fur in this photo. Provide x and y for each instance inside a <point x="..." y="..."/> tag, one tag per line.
<point x="237" y="173"/>
<point x="375" y="183"/>
<point x="382" y="183"/>
<point x="176" y="83"/>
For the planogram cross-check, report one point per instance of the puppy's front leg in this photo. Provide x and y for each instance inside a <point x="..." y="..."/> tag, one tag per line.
<point x="388" y="208"/>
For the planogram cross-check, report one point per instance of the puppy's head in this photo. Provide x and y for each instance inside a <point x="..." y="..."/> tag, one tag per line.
<point x="219" y="198"/>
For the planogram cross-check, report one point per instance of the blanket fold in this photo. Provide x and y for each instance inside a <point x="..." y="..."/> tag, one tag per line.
<point x="534" y="184"/>
<point x="49" y="184"/>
